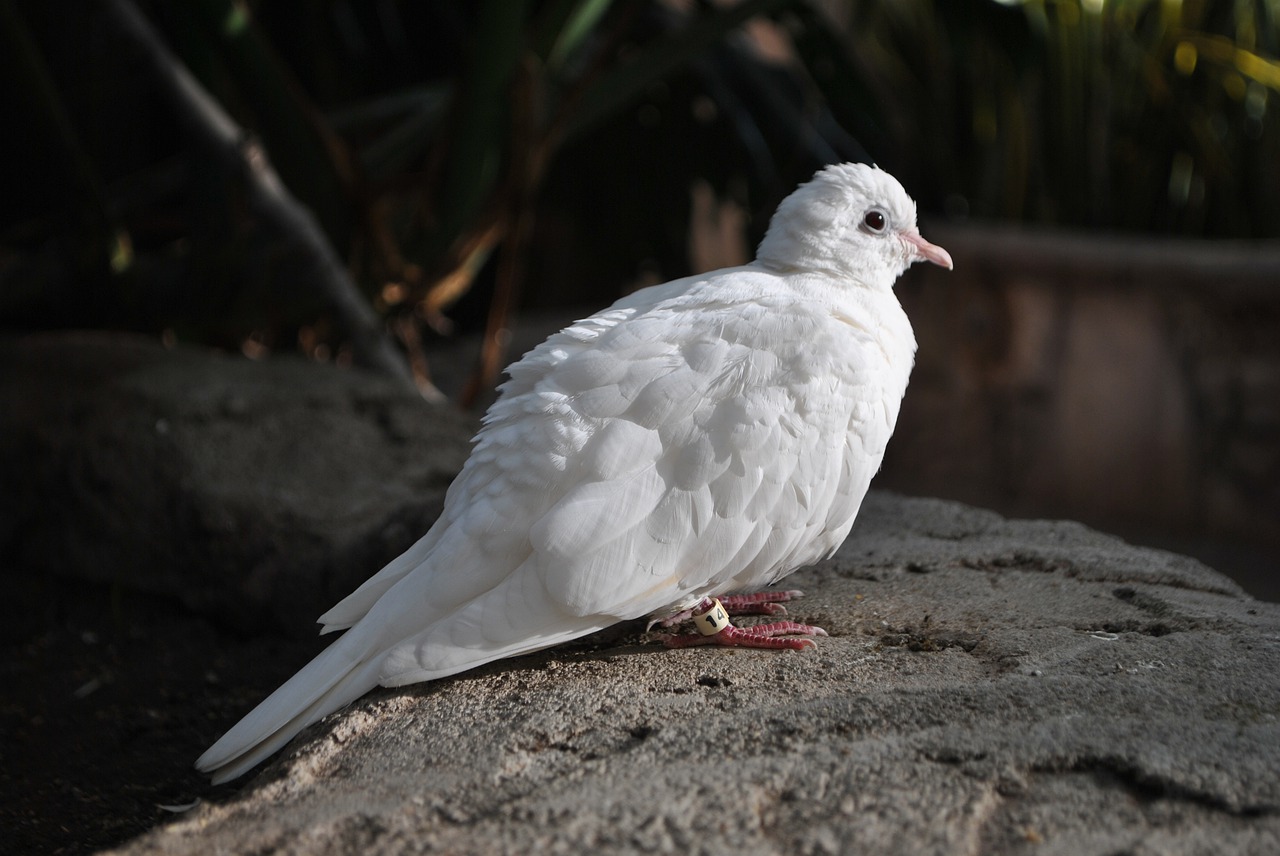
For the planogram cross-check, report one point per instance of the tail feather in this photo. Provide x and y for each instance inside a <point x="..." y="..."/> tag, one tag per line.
<point x="356" y="605"/>
<point x="334" y="679"/>
<point x="512" y="618"/>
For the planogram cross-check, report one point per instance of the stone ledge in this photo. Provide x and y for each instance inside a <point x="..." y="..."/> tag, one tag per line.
<point x="990" y="686"/>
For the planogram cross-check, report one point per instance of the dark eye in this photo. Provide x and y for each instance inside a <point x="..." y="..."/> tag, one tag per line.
<point x="875" y="221"/>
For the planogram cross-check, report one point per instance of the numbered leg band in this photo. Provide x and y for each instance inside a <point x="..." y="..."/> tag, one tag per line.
<point x="713" y="620"/>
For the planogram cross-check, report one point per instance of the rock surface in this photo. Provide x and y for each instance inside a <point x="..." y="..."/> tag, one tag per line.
<point x="253" y="492"/>
<point x="990" y="686"/>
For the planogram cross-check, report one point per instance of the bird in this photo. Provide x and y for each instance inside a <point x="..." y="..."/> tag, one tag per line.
<point x="697" y="438"/>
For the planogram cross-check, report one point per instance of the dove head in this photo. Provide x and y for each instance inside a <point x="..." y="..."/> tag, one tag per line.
<point x="852" y="220"/>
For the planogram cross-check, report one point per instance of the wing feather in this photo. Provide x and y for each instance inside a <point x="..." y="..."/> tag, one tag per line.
<point x="629" y="467"/>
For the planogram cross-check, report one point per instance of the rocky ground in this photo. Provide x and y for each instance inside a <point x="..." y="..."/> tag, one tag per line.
<point x="989" y="686"/>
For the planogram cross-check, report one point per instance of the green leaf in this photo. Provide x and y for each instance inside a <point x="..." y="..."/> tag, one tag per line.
<point x="584" y="17"/>
<point x="391" y="107"/>
<point x="661" y="58"/>
<point x="480" y="129"/>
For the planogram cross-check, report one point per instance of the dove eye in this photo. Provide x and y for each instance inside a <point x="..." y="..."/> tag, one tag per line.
<point x="875" y="221"/>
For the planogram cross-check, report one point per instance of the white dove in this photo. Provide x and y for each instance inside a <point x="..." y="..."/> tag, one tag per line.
<point x="708" y="435"/>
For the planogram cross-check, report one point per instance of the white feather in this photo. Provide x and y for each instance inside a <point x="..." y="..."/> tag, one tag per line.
<point x="712" y="433"/>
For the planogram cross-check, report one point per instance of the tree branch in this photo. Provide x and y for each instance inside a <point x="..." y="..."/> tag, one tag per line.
<point x="288" y="222"/>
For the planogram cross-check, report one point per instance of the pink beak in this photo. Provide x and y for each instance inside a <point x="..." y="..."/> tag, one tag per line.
<point x="926" y="251"/>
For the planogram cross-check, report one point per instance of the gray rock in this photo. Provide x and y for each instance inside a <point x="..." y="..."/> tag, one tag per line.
<point x="255" y="492"/>
<point x="990" y="686"/>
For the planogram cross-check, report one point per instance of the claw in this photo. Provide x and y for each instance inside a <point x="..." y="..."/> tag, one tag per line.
<point x="760" y="602"/>
<point x="778" y="634"/>
<point x="760" y="636"/>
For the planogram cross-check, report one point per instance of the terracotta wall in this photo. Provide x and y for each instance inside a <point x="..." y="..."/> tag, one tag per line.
<point x="1130" y="384"/>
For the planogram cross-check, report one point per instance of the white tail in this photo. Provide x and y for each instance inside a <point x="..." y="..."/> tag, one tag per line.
<point x="508" y="620"/>
<point x="336" y="677"/>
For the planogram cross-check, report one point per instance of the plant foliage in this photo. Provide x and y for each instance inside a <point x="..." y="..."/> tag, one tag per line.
<point x="517" y="144"/>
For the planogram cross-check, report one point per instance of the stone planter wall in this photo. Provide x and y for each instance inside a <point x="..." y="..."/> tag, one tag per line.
<point x="1132" y="384"/>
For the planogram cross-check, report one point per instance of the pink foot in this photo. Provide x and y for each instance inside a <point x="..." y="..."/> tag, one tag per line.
<point x="712" y="620"/>
<point x="756" y="603"/>
<point x="760" y="602"/>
